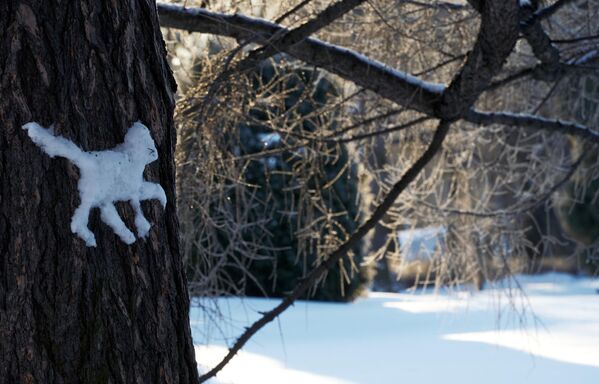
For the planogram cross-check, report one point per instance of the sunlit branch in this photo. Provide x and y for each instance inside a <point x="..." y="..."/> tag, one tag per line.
<point x="397" y="86"/>
<point x="391" y="84"/>
<point x="532" y="121"/>
<point x="518" y="211"/>
<point x="288" y="38"/>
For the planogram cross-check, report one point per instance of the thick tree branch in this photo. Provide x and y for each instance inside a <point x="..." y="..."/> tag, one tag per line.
<point x="539" y="41"/>
<point x="496" y="40"/>
<point x="280" y="41"/>
<point x="535" y="35"/>
<point x="397" y="86"/>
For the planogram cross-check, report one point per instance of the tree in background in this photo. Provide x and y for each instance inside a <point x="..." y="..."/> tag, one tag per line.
<point x="292" y="206"/>
<point x="578" y="202"/>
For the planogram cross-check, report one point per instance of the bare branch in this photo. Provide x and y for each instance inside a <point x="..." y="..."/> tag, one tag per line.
<point x="539" y="41"/>
<point x="535" y="35"/>
<point x="293" y="10"/>
<point x="551" y="9"/>
<point x="288" y="39"/>
<point x="531" y="121"/>
<point x="394" y="85"/>
<point x="438" y="5"/>
<point x="575" y="40"/>
<point x="368" y="135"/>
<point x="520" y="210"/>
<point x="496" y="40"/>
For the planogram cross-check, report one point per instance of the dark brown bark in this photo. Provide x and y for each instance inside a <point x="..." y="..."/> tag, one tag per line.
<point x="69" y="313"/>
<point x="495" y="41"/>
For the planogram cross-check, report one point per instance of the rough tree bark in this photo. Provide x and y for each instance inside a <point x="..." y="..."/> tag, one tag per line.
<point x="69" y="313"/>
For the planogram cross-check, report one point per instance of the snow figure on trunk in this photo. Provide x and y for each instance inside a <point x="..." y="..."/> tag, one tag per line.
<point x="106" y="177"/>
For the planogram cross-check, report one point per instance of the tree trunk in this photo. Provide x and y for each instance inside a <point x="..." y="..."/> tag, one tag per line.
<point x="70" y="313"/>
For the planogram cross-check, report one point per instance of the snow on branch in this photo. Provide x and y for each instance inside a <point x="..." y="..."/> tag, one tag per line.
<point x="397" y="86"/>
<point x="106" y="177"/>
<point x="449" y="5"/>
<point x="532" y="121"/>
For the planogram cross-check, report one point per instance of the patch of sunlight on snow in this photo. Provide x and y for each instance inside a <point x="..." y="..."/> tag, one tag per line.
<point x="550" y="288"/>
<point x="417" y="303"/>
<point x="568" y="344"/>
<point x="251" y="368"/>
<point x="427" y="306"/>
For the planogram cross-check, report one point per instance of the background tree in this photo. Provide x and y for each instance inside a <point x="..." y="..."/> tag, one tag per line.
<point x="276" y="215"/>
<point x="69" y="313"/>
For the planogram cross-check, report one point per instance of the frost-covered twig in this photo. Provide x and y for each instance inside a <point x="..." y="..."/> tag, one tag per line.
<point x="532" y="121"/>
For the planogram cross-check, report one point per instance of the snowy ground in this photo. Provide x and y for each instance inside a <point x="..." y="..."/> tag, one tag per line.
<point x="425" y="338"/>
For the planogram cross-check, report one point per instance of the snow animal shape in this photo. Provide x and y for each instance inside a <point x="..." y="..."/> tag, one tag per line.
<point x="106" y="177"/>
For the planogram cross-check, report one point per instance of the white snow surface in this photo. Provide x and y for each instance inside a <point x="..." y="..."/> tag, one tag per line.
<point x="457" y="337"/>
<point x="106" y="177"/>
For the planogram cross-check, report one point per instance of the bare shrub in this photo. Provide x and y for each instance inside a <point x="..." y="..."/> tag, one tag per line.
<point x="260" y="191"/>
